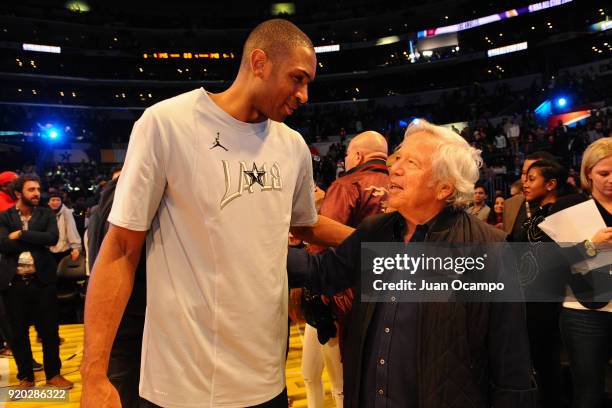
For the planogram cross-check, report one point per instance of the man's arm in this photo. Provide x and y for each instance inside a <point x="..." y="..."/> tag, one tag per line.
<point x="328" y="272"/>
<point x="326" y="232"/>
<point x="110" y="286"/>
<point x="48" y="237"/>
<point x="74" y="239"/>
<point x="8" y="245"/>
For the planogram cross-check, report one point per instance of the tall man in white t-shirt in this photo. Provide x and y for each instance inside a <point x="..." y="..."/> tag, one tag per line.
<point x="214" y="182"/>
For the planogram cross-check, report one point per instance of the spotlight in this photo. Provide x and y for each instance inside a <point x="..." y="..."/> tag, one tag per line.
<point x="561" y="102"/>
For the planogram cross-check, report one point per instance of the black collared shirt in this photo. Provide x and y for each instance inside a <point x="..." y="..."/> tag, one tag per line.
<point x="389" y="377"/>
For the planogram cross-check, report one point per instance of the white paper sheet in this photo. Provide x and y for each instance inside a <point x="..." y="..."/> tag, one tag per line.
<point x="576" y="224"/>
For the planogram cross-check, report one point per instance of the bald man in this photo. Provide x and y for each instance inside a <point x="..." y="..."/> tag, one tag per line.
<point x="214" y="182"/>
<point x="359" y="193"/>
<point x="362" y="189"/>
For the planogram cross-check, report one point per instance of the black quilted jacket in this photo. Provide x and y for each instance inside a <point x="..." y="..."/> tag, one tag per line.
<point x="470" y="355"/>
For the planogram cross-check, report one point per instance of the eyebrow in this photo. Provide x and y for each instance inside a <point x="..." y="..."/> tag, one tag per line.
<point x="306" y="74"/>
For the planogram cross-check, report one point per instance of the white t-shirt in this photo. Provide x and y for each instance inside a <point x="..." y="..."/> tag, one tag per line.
<point x="216" y="323"/>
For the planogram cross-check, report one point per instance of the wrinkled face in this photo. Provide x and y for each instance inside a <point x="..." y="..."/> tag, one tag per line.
<point x="536" y="187"/>
<point x="30" y="195"/>
<point x="55" y="203"/>
<point x="601" y="177"/>
<point x="498" y="207"/>
<point x="479" y="195"/>
<point x="411" y="174"/>
<point x="284" y="85"/>
<point x="526" y="166"/>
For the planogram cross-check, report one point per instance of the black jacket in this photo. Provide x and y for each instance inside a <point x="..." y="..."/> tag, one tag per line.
<point x="132" y="323"/>
<point x="42" y="233"/>
<point x="470" y="355"/>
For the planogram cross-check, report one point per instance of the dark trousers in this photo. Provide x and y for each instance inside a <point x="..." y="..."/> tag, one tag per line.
<point x="280" y="401"/>
<point x="60" y="255"/>
<point x="545" y="344"/>
<point x="5" y="329"/>
<point x="27" y="301"/>
<point x="124" y="371"/>
<point x="587" y="335"/>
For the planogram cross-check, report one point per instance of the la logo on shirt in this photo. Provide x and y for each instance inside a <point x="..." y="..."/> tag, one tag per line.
<point x="267" y="178"/>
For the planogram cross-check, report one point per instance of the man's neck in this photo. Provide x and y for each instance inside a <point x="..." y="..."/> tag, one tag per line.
<point x="23" y="208"/>
<point x="479" y="206"/>
<point x="234" y="102"/>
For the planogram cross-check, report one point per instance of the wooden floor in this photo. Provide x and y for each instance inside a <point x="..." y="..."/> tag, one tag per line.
<point x="71" y="352"/>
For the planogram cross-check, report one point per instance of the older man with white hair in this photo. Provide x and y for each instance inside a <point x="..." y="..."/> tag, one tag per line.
<point x="409" y="355"/>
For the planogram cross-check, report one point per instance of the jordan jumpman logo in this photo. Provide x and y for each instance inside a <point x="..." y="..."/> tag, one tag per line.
<point x="217" y="143"/>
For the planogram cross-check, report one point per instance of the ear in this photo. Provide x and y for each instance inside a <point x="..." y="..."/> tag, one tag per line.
<point x="360" y="157"/>
<point x="551" y="184"/>
<point x="587" y="174"/>
<point x="258" y="61"/>
<point x="444" y="190"/>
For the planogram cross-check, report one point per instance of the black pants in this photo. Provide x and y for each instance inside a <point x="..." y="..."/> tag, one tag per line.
<point x="124" y="371"/>
<point x="5" y="329"/>
<point x="280" y="401"/>
<point x="545" y="344"/>
<point x="587" y="335"/>
<point x="27" y="301"/>
<point x="60" y="255"/>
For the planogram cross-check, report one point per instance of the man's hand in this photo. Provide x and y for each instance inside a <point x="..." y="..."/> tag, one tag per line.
<point x="109" y="289"/>
<point x="15" y="234"/>
<point x="74" y="255"/>
<point x="100" y="393"/>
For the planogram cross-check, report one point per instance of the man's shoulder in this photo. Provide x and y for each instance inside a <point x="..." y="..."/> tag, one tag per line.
<point x="176" y="106"/>
<point x="482" y="231"/>
<point x="379" y="221"/>
<point x="290" y="134"/>
<point x="364" y="179"/>
<point x="44" y="212"/>
<point x="6" y="214"/>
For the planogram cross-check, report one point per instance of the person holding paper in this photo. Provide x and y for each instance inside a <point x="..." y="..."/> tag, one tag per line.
<point x="546" y="181"/>
<point x="586" y="326"/>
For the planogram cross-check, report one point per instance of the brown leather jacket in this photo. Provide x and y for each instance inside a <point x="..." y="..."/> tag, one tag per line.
<point x="358" y="194"/>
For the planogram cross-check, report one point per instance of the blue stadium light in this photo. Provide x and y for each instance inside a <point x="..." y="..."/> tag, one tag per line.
<point x="561" y="102"/>
<point x="50" y="131"/>
<point x="403" y="123"/>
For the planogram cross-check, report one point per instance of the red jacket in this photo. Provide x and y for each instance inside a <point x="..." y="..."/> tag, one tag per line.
<point x="6" y="201"/>
<point x="358" y="194"/>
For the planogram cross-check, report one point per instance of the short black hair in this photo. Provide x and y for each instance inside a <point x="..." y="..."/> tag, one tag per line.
<point x="56" y="194"/>
<point x="24" y="178"/>
<point x="480" y="184"/>
<point x="541" y="155"/>
<point x="275" y="37"/>
<point x="553" y="170"/>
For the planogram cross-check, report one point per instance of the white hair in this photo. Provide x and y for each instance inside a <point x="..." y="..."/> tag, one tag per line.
<point x="454" y="161"/>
